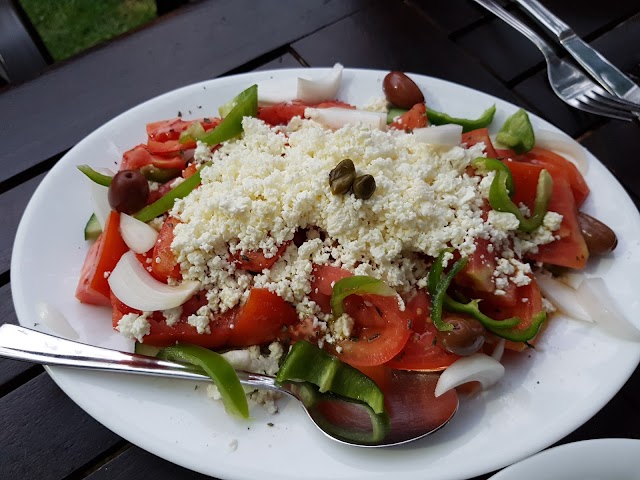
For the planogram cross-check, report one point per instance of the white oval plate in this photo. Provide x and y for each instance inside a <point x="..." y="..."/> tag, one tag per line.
<point x="545" y="394"/>
<point x="615" y="458"/>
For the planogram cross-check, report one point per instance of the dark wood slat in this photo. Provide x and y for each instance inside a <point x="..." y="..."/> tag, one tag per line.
<point x="45" y="436"/>
<point x="502" y="49"/>
<point x="284" y="61"/>
<point x="11" y="371"/>
<point x="205" y="40"/>
<point x="450" y="15"/>
<point x="614" y="144"/>
<point x="12" y="205"/>
<point x="371" y="46"/>
<point x="137" y="464"/>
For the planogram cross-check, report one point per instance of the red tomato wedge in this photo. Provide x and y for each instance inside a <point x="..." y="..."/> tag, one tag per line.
<point x="416" y="117"/>
<point x="257" y="261"/>
<point x="324" y="277"/>
<point x="171" y="129"/>
<point x="481" y="135"/>
<point x="282" y="113"/>
<point x="380" y="332"/>
<point x="262" y="319"/>
<point x="163" y="335"/>
<point x="557" y="165"/>
<point x="164" y="264"/>
<point x="93" y="287"/>
<point x="570" y="250"/>
<point x="421" y="352"/>
<point x="140" y="156"/>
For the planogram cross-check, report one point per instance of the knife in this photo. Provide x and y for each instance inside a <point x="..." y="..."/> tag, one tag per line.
<point x="601" y="69"/>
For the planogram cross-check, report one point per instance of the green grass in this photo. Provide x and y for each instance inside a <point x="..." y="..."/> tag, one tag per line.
<point x="68" y="27"/>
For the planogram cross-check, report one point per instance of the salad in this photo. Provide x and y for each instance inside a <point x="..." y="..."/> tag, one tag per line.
<point x="396" y="237"/>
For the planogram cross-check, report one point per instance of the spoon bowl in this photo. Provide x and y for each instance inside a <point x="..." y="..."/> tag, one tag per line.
<point x="412" y="410"/>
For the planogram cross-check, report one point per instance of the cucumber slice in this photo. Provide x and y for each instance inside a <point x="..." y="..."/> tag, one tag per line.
<point x="92" y="229"/>
<point x="148" y="350"/>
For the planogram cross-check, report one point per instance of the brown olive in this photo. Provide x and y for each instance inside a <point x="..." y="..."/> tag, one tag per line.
<point x="128" y="191"/>
<point x="467" y="336"/>
<point x="401" y="90"/>
<point x="599" y="238"/>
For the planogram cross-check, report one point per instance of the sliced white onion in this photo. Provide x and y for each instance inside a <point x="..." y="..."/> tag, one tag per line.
<point x="596" y="299"/>
<point x="135" y="287"/>
<point x="100" y="195"/>
<point x="562" y="296"/>
<point x="55" y="320"/>
<point x="336" y="117"/>
<point x="564" y="145"/>
<point x="322" y="89"/>
<point x="277" y="91"/>
<point x="498" y="350"/>
<point x="449" y="134"/>
<point x="474" y="368"/>
<point x="138" y="236"/>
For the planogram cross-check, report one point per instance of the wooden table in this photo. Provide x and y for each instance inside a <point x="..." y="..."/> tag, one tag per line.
<point x="43" y="434"/>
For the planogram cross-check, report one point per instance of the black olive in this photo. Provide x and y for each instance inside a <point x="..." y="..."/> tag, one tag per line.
<point x="401" y="91"/>
<point x="467" y="336"/>
<point x="128" y="191"/>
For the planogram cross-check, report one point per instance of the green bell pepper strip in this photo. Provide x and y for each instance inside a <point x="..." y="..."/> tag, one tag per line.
<point x="165" y="203"/>
<point x="486" y="165"/>
<point x="308" y="363"/>
<point x="439" y="118"/>
<point x="395" y="112"/>
<point x="97" y="177"/>
<point x="220" y="371"/>
<point x="517" y="133"/>
<point x="310" y="396"/>
<point x="160" y="175"/>
<point x="435" y="285"/>
<point x="357" y="285"/>
<point x="246" y="105"/>
<point x="193" y="132"/>
<point x="500" y="201"/>
<point x="523" y="335"/>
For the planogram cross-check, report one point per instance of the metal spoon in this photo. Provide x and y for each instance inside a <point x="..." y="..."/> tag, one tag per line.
<point x="413" y="410"/>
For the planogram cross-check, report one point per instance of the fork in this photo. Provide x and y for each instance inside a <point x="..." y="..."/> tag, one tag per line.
<point x="569" y="83"/>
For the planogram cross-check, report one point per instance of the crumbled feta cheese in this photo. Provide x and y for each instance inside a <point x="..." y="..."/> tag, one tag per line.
<point x="552" y="221"/>
<point x="200" y="320"/>
<point x="172" y="315"/>
<point x="341" y="327"/>
<point x="376" y="104"/>
<point x="134" y="326"/>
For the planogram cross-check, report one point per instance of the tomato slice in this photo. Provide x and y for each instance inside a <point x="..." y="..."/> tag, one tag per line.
<point x="171" y="129"/>
<point x="324" y="277"/>
<point x="170" y="148"/>
<point x="416" y="117"/>
<point x="557" y="165"/>
<point x="262" y="319"/>
<point x="257" y="261"/>
<point x="93" y="287"/>
<point x="421" y="352"/>
<point x="163" y="335"/>
<point x="164" y="264"/>
<point x="380" y="332"/>
<point x="570" y="250"/>
<point x="140" y="156"/>
<point x="481" y="135"/>
<point x="282" y="113"/>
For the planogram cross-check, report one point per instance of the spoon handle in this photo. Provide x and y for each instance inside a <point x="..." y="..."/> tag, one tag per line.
<point x="20" y="343"/>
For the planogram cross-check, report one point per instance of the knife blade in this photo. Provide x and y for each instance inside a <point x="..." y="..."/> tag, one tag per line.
<point x="601" y="69"/>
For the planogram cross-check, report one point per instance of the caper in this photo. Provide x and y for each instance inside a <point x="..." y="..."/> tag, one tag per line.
<point x="467" y="336"/>
<point x="364" y="186"/>
<point x="128" y="191"/>
<point x="342" y="176"/>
